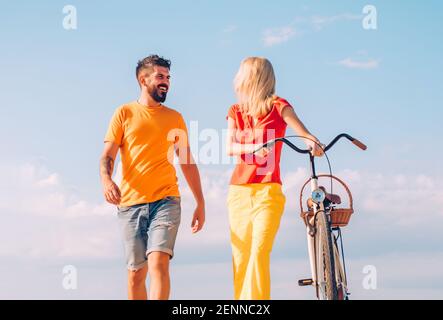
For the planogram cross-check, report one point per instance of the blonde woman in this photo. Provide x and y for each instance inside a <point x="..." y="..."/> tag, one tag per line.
<point x="255" y="199"/>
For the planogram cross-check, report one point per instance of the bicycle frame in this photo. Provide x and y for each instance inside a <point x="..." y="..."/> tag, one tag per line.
<point x="310" y="229"/>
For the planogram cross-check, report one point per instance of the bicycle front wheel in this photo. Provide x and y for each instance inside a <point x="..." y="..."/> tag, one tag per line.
<point x="326" y="284"/>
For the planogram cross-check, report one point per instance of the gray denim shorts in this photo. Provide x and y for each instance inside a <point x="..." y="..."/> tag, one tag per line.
<point x="149" y="227"/>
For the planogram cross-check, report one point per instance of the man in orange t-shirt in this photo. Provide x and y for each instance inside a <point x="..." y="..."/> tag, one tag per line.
<point x="147" y="133"/>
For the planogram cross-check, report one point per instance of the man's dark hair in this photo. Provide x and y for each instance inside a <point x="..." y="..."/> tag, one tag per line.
<point x="151" y="61"/>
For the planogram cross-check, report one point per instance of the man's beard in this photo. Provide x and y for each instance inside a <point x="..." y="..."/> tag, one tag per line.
<point x="157" y="94"/>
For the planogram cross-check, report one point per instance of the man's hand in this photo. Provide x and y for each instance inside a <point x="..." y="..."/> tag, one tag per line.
<point x="198" y="220"/>
<point x="111" y="192"/>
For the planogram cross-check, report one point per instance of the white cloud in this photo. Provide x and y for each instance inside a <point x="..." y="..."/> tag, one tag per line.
<point x="43" y="219"/>
<point x="295" y="178"/>
<point x="393" y="213"/>
<point x="394" y="281"/>
<point x="400" y="200"/>
<point x="33" y="190"/>
<point x="196" y="281"/>
<point x="404" y="200"/>
<point x="216" y="230"/>
<point x="362" y="64"/>
<point x="391" y="209"/>
<point x="51" y="180"/>
<point x="319" y="22"/>
<point x="275" y="36"/>
<point x="230" y="29"/>
<point x="400" y="276"/>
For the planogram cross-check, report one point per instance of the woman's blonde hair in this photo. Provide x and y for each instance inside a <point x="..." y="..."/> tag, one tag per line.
<point x="254" y="85"/>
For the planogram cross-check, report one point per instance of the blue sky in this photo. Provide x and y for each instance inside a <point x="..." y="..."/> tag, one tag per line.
<point x="60" y="88"/>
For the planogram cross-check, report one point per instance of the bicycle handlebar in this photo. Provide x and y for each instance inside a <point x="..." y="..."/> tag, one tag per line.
<point x="329" y="146"/>
<point x="347" y="136"/>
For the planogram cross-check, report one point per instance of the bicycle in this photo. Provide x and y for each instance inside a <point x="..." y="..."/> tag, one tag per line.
<point x="322" y="219"/>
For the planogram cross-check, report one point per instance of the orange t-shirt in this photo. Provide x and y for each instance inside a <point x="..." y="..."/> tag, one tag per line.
<point x="253" y="168"/>
<point x="146" y="136"/>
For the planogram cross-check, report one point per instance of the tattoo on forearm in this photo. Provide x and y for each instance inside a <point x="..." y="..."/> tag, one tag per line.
<point x="106" y="166"/>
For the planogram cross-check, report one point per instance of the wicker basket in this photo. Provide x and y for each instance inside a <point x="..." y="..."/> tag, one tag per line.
<point x="339" y="216"/>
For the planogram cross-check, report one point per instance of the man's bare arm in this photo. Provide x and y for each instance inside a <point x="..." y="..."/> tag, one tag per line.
<point x="111" y="191"/>
<point x="192" y="176"/>
<point x="106" y="167"/>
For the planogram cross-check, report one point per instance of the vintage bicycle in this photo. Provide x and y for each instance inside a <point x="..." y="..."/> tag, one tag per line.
<point x="324" y="219"/>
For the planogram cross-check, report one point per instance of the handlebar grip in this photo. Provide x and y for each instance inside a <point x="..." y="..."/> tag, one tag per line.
<point x="359" y="144"/>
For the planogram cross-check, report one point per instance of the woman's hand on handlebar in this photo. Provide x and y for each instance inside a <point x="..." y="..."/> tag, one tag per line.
<point x="262" y="151"/>
<point x="315" y="148"/>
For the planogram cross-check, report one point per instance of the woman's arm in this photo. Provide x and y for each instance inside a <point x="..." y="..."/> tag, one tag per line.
<point x="289" y="116"/>
<point x="233" y="148"/>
